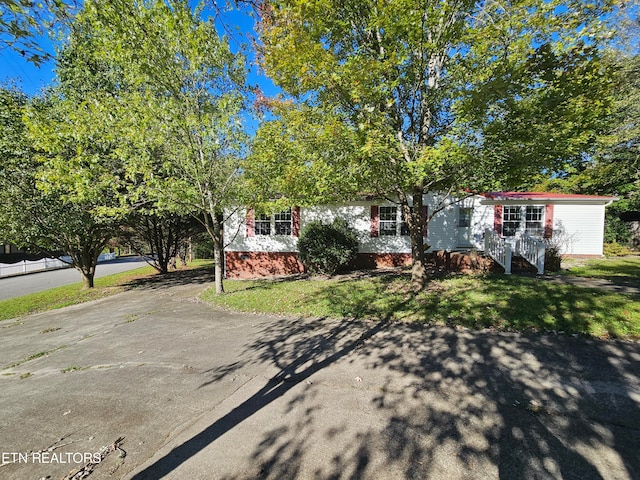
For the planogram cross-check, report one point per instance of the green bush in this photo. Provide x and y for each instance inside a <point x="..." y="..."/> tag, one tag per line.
<point x="617" y="231"/>
<point x="614" y="249"/>
<point x="327" y="248"/>
<point x="552" y="259"/>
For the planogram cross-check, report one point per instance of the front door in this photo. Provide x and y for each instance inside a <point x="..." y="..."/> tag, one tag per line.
<point x="465" y="235"/>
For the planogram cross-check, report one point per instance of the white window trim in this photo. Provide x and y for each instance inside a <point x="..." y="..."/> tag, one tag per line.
<point x="522" y="227"/>
<point x="460" y="209"/>
<point x="272" y="225"/>
<point x="399" y="221"/>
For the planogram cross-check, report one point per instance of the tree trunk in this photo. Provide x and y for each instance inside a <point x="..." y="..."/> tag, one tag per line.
<point x="85" y="262"/>
<point x="218" y="253"/>
<point x="416" y="223"/>
<point x="87" y="279"/>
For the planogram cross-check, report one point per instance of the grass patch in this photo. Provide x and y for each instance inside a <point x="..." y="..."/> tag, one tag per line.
<point x="69" y="294"/>
<point x="52" y="329"/>
<point x="507" y="303"/>
<point x="25" y="375"/>
<point x="74" y="368"/>
<point x="618" y="269"/>
<point x="74" y="294"/>
<point x="34" y="356"/>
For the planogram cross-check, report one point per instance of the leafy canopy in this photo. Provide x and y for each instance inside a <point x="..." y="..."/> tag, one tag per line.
<point x="438" y="95"/>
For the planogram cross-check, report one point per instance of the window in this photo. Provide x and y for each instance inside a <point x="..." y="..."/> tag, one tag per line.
<point x="511" y="218"/>
<point x="534" y="225"/>
<point x="464" y="217"/>
<point x="391" y="222"/>
<point x="263" y="224"/>
<point x="388" y="221"/>
<point x="278" y="224"/>
<point x="283" y="222"/>
<point x="518" y="219"/>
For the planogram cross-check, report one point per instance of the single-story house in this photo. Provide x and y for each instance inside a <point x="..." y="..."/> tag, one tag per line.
<point x="264" y="245"/>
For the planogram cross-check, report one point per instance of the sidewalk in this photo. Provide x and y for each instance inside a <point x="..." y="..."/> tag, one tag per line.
<point x="597" y="283"/>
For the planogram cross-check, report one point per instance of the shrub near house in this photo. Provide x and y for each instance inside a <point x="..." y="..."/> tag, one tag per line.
<point x="327" y="248"/>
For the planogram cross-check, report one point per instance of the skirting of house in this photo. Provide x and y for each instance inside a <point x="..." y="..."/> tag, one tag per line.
<point x="261" y="264"/>
<point x="270" y="264"/>
<point x="381" y="260"/>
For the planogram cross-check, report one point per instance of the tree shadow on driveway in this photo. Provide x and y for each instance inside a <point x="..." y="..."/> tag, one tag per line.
<point x="297" y="356"/>
<point x="194" y="276"/>
<point x="432" y="403"/>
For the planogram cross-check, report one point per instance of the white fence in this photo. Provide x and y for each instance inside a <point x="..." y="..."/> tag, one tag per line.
<point x="532" y="250"/>
<point x="498" y="249"/>
<point x="28" y="266"/>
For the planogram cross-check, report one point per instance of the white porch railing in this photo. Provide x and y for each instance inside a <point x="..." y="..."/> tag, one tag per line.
<point x="498" y="249"/>
<point x="28" y="266"/>
<point x="532" y="250"/>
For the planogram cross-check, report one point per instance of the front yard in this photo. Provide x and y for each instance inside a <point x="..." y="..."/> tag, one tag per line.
<point x="625" y="270"/>
<point x="509" y="303"/>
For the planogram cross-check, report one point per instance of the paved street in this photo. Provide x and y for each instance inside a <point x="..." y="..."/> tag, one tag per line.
<point x="201" y="393"/>
<point x="37" y="282"/>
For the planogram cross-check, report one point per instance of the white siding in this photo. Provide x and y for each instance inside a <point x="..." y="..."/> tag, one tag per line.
<point x="235" y="234"/>
<point x="579" y="229"/>
<point x="441" y="231"/>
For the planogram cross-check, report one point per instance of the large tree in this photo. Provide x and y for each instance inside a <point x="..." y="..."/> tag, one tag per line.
<point x="441" y="96"/>
<point x="159" y="237"/>
<point x="186" y="96"/>
<point x="37" y="214"/>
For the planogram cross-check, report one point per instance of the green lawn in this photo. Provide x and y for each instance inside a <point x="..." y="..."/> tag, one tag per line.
<point x="617" y="269"/>
<point x="69" y="294"/>
<point x="501" y="302"/>
<point x="73" y="294"/>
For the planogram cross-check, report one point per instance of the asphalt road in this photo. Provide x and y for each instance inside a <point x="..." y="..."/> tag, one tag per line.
<point x="11" y="287"/>
<point x="199" y="393"/>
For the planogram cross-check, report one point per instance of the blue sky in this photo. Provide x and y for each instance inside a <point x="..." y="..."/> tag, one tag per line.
<point x="15" y="69"/>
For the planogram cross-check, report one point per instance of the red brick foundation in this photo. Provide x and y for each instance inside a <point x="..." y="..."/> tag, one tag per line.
<point x="463" y="262"/>
<point x="261" y="264"/>
<point x="381" y="260"/>
<point x="269" y="264"/>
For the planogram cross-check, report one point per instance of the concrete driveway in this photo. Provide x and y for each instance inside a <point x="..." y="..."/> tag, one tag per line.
<point x="199" y="393"/>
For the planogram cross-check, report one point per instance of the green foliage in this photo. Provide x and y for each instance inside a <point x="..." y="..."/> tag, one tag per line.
<point x="302" y="156"/>
<point x="37" y="213"/>
<point x="179" y="115"/>
<point x="327" y="248"/>
<point x="552" y="259"/>
<point x="614" y="168"/>
<point x="434" y="96"/>
<point x="22" y="21"/>
<point x="616" y="230"/>
<point x="162" y="236"/>
<point x="615" y="249"/>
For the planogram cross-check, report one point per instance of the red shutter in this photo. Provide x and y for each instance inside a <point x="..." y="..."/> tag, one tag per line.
<point x="424" y="220"/>
<point x="295" y="221"/>
<point x="375" y="221"/>
<point x="250" y="222"/>
<point x="548" y="221"/>
<point x="497" y="219"/>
